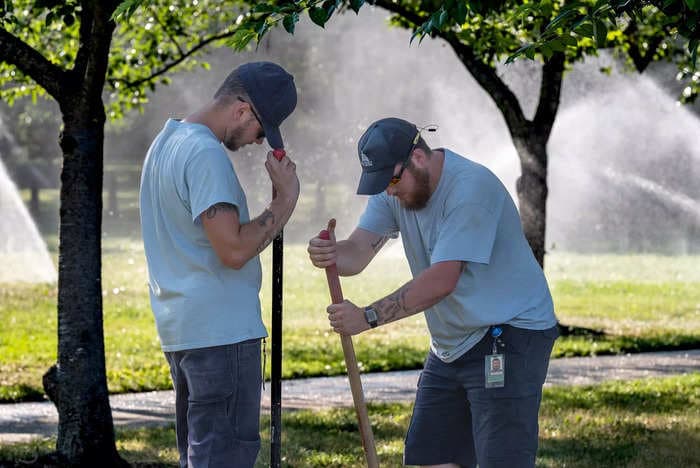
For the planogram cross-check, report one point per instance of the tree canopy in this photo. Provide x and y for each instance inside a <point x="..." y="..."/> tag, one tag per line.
<point x="658" y="28"/>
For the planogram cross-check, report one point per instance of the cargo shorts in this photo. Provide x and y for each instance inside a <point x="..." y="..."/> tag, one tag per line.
<point x="457" y="420"/>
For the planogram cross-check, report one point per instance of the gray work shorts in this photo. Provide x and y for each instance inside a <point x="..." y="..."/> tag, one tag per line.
<point x="217" y="404"/>
<point x="457" y="420"/>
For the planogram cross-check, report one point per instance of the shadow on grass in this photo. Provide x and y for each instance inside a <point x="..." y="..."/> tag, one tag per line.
<point x="622" y="443"/>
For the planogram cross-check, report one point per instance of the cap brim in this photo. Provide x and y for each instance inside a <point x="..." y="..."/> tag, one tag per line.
<point x="372" y="183"/>
<point x="273" y="137"/>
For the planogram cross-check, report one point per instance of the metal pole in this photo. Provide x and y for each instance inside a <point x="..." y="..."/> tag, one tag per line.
<point x="276" y="365"/>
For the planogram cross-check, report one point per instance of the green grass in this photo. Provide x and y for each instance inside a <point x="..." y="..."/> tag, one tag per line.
<point x="637" y="424"/>
<point x="641" y="302"/>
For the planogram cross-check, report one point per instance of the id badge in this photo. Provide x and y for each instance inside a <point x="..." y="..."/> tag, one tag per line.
<point x="494" y="370"/>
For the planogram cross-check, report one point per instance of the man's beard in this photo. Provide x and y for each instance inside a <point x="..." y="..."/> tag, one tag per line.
<point x="232" y="139"/>
<point x="421" y="194"/>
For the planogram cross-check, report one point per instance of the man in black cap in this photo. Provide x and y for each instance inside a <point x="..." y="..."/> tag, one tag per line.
<point x="202" y="253"/>
<point x="484" y="295"/>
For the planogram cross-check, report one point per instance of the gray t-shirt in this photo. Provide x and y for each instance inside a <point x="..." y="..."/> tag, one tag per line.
<point x="197" y="301"/>
<point x="471" y="218"/>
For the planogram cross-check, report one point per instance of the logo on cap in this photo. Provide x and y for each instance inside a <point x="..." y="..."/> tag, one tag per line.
<point x="365" y="161"/>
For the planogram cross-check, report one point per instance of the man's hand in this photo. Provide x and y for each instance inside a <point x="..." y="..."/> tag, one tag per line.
<point x="346" y="318"/>
<point x="283" y="177"/>
<point x="322" y="252"/>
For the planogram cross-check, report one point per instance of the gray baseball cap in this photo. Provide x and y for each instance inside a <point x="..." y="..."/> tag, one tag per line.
<point x="273" y="93"/>
<point x="384" y="144"/>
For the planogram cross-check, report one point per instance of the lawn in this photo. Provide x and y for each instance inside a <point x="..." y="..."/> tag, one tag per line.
<point x="641" y="302"/>
<point x="638" y="424"/>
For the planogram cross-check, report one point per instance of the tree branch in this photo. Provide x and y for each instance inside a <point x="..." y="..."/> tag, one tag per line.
<point x="31" y="63"/>
<point x="174" y="63"/>
<point x="550" y="91"/>
<point x="484" y="74"/>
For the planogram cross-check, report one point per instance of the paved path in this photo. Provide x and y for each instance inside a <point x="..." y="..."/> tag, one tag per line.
<point x="24" y="421"/>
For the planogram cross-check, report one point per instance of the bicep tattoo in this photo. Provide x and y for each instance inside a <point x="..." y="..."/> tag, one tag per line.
<point x="217" y="207"/>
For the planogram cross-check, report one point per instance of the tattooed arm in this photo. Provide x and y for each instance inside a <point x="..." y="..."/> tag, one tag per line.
<point x="351" y="255"/>
<point x="236" y="243"/>
<point x="419" y="294"/>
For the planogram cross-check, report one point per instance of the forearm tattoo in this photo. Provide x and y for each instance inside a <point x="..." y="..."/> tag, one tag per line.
<point x="271" y="232"/>
<point x="212" y="210"/>
<point x="393" y="307"/>
<point x="376" y="246"/>
<point x="265" y="216"/>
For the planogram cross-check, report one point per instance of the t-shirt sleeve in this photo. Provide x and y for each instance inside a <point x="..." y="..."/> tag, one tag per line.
<point x="470" y="222"/>
<point x="210" y="179"/>
<point x="378" y="217"/>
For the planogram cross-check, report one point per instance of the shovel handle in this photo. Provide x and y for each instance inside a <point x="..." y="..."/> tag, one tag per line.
<point x="358" y="396"/>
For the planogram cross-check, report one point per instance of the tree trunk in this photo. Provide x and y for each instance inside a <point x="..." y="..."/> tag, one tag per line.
<point x="532" y="192"/>
<point x="85" y="430"/>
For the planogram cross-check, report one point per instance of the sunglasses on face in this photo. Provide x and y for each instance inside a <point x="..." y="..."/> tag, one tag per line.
<point x="261" y="133"/>
<point x="397" y="178"/>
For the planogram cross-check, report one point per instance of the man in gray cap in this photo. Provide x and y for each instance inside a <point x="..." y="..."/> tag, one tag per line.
<point x="202" y="252"/>
<point x="484" y="296"/>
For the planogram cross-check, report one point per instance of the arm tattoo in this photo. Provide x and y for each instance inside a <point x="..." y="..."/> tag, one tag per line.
<point x="393" y="306"/>
<point x="271" y="232"/>
<point x="376" y="246"/>
<point x="267" y="214"/>
<point x="212" y="210"/>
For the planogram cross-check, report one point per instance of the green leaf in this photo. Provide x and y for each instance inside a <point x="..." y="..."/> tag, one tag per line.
<point x="557" y="45"/>
<point x="561" y="18"/>
<point x="461" y="15"/>
<point x="263" y="8"/>
<point x="443" y="18"/>
<point x="585" y="30"/>
<point x="290" y="21"/>
<point x="126" y="10"/>
<point x="569" y="40"/>
<point x="546" y="51"/>
<point x="318" y="15"/>
<point x="329" y="6"/>
<point x="693" y="4"/>
<point x="600" y="31"/>
<point x="241" y="38"/>
<point x="356" y="5"/>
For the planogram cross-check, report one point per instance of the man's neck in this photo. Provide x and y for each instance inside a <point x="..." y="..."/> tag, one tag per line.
<point x="437" y="162"/>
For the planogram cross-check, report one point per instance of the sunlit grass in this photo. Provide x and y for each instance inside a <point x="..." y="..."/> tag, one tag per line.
<point x="641" y="424"/>
<point x="641" y="302"/>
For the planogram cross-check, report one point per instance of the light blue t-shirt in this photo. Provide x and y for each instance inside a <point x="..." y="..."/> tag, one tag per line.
<point x="197" y="301"/>
<point x="471" y="218"/>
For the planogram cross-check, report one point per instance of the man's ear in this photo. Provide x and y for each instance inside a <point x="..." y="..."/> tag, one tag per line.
<point x="420" y="159"/>
<point x="237" y="110"/>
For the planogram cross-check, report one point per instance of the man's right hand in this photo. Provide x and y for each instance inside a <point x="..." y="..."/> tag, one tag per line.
<point x="284" y="178"/>
<point x="322" y="252"/>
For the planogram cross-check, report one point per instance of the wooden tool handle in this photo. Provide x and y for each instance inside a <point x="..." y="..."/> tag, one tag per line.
<point x="358" y="396"/>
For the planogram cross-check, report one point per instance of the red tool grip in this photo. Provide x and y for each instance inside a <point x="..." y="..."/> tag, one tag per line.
<point x="279" y="153"/>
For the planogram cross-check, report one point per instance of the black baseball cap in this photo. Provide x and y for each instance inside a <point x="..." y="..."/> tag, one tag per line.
<point x="384" y="144"/>
<point x="273" y="93"/>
